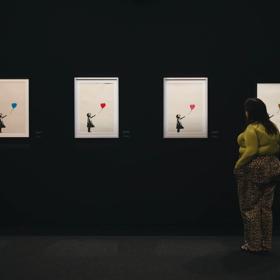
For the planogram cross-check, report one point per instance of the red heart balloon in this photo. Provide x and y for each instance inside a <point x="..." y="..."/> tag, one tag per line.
<point x="103" y="105"/>
<point x="192" y="106"/>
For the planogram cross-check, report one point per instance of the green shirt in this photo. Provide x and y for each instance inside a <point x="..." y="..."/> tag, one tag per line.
<point x="256" y="141"/>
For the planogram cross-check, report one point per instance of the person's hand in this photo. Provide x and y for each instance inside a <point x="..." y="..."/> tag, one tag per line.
<point x="237" y="171"/>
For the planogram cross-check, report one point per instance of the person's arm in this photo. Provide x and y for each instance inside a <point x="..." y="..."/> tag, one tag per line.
<point x="4" y="116"/>
<point x="278" y="142"/>
<point x="251" y="147"/>
<point x="182" y="117"/>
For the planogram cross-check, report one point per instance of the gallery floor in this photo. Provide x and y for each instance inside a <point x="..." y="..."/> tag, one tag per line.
<point x="127" y="257"/>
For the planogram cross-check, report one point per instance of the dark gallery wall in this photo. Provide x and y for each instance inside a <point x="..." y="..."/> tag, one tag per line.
<point x="141" y="181"/>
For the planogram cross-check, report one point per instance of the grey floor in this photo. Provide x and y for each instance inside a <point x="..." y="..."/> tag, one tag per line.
<point x="100" y="258"/>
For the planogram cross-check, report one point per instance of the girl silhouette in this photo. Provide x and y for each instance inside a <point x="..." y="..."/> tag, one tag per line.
<point x="179" y="124"/>
<point x="89" y="122"/>
<point x="1" y="122"/>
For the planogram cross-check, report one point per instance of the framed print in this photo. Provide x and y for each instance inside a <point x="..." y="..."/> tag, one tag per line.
<point x="96" y="108"/>
<point x="14" y="108"/>
<point x="270" y="95"/>
<point x="185" y="108"/>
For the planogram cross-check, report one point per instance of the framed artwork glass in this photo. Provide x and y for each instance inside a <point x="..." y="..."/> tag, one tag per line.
<point x="96" y="108"/>
<point x="185" y="108"/>
<point x="14" y="108"/>
<point x="269" y="93"/>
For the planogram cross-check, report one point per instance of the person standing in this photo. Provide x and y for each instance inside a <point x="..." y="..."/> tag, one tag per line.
<point x="257" y="171"/>
<point x="2" y="125"/>
<point x="179" y="123"/>
<point x="89" y="122"/>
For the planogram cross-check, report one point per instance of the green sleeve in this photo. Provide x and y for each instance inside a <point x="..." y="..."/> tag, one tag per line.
<point x="251" y="147"/>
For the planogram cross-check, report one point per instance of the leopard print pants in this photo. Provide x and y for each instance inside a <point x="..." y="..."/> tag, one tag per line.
<point x="255" y="201"/>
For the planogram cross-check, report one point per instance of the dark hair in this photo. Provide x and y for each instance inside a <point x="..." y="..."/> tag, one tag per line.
<point x="257" y="112"/>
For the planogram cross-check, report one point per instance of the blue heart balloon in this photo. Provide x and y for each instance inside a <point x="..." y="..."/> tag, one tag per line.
<point x="14" y="105"/>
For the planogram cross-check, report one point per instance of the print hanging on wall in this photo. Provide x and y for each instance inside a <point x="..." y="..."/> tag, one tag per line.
<point x="14" y="108"/>
<point x="185" y="108"/>
<point x="270" y="94"/>
<point x="96" y="108"/>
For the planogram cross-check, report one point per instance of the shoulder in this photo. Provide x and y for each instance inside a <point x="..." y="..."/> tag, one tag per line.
<point x="252" y="127"/>
<point x="250" y="131"/>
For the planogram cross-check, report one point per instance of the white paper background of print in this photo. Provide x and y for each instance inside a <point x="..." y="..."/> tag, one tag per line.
<point x="179" y="93"/>
<point x="270" y="95"/>
<point x="89" y="94"/>
<point x="17" y="120"/>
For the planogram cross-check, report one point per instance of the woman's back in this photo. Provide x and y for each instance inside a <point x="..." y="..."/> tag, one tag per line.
<point x="256" y="141"/>
<point x="268" y="143"/>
